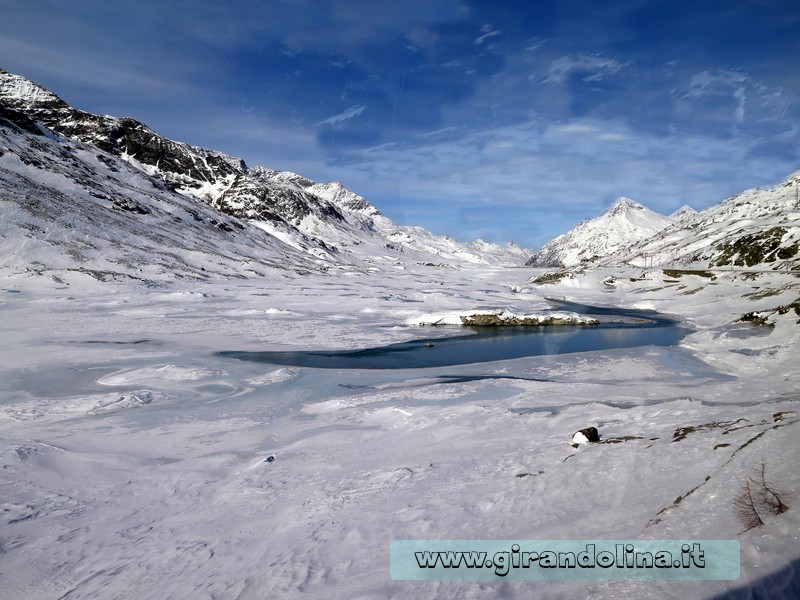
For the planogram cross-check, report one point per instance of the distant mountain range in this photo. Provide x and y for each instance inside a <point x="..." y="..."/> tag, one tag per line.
<point x="109" y="196"/>
<point x="758" y="228"/>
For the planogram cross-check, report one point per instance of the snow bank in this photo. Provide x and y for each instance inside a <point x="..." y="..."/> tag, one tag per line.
<point x="501" y="318"/>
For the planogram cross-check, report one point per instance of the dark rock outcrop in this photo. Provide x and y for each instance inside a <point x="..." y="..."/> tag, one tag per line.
<point x="585" y="436"/>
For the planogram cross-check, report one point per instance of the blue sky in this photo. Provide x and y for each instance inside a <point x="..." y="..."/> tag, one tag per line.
<point x="505" y="120"/>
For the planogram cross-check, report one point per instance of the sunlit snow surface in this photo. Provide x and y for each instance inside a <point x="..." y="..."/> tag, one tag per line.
<point x="134" y="459"/>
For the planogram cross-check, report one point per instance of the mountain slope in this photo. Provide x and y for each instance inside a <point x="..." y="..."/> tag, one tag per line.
<point x="754" y="228"/>
<point x="623" y="224"/>
<point x="66" y="207"/>
<point x="124" y="162"/>
<point x="683" y="212"/>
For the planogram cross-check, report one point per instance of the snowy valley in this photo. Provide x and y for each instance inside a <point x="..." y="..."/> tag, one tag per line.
<point x="142" y="187"/>
<point x="141" y="460"/>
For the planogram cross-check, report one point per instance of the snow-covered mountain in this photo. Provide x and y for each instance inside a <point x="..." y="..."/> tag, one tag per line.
<point x="623" y="224"/>
<point x="110" y="194"/>
<point x="683" y="212"/>
<point x="755" y="228"/>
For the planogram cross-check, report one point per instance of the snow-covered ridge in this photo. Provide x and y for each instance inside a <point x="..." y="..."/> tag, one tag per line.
<point x="625" y="206"/>
<point x="623" y="224"/>
<point x="335" y="192"/>
<point x="24" y="91"/>
<point x="755" y="228"/>
<point x="325" y="220"/>
<point x="683" y="212"/>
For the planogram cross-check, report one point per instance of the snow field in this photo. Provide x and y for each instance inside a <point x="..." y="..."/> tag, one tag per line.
<point x="106" y="494"/>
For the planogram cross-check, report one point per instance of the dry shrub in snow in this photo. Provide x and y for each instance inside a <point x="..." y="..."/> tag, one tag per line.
<point x="757" y="499"/>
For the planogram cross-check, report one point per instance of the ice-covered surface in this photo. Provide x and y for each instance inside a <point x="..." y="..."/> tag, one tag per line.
<point x="134" y="463"/>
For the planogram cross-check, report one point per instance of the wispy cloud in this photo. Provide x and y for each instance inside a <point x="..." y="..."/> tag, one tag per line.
<point x="343" y="117"/>
<point x="486" y="33"/>
<point x="525" y="174"/>
<point x="588" y="67"/>
<point x="707" y="83"/>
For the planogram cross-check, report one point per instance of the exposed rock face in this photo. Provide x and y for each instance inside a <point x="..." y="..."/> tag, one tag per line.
<point x="223" y="181"/>
<point x="757" y="248"/>
<point x="506" y="320"/>
<point x="118" y="136"/>
<point x="19" y="119"/>
<point x="502" y="318"/>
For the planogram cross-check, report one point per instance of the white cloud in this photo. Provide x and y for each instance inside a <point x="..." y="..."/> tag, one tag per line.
<point x="739" y="94"/>
<point x="487" y="32"/>
<point x="350" y="113"/>
<point x="721" y="82"/>
<point x="598" y="66"/>
<point x="573" y="127"/>
<point x="736" y="95"/>
<point x="534" y="44"/>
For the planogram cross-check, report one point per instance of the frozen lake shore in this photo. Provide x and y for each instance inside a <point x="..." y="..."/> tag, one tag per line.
<point x="134" y="457"/>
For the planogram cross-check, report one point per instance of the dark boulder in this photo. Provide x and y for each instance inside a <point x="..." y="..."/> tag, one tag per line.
<point x="585" y="436"/>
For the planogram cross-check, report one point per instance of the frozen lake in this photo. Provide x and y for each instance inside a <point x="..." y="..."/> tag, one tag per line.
<point x="618" y="328"/>
<point x="140" y="460"/>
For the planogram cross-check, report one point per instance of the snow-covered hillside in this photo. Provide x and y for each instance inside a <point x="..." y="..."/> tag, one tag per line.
<point x="623" y="224"/>
<point x="683" y="212"/>
<point x="83" y="185"/>
<point x="67" y="208"/>
<point x="757" y="228"/>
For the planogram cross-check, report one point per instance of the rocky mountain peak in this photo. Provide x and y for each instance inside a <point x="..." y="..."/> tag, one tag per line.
<point x="17" y="91"/>
<point x="624" y="205"/>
